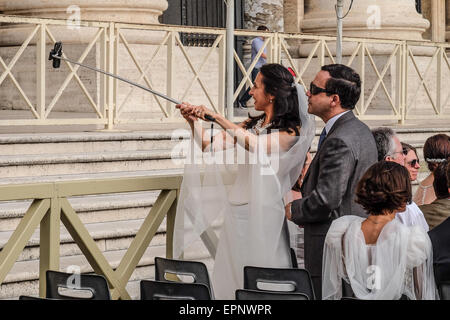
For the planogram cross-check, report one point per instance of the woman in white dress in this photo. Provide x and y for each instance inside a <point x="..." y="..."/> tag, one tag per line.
<point x="240" y="180"/>
<point x="379" y="257"/>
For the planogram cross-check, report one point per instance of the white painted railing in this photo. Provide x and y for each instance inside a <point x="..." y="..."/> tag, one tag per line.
<point x="401" y="80"/>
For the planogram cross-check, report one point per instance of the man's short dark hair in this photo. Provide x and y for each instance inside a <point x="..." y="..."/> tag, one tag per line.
<point x="345" y="82"/>
<point x="262" y="28"/>
<point x="440" y="183"/>
<point x="384" y="141"/>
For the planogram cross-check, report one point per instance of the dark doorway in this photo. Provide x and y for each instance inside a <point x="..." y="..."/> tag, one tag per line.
<point x="205" y="13"/>
<point x="419" y="6"/>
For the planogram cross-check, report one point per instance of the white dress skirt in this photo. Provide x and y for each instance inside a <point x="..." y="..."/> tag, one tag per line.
<point x="240" y="245"/>
<point x="233" y="254"/>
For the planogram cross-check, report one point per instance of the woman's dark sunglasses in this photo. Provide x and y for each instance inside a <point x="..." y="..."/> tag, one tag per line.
<point x="316" y="90"/>
<point x="413" y="163"/>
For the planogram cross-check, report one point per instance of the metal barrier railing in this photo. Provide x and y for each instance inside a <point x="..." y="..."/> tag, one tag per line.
<point x="388" y="79"/>
<point x="50" y="207"/>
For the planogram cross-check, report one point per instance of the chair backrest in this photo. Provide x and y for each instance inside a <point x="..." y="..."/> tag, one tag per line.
<point x="444" y="290"/>
<point x="294" y="259"/>
<point x="245" y="294"/>
<point x="299" y="280"/>
<point x="29" y="298"/>
<point x="78" y="285"/>
<point x="194" y="269"/>
<point x="163" y="290"/>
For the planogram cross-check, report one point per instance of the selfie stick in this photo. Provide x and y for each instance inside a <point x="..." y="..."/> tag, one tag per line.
<point x="56" y="56"/>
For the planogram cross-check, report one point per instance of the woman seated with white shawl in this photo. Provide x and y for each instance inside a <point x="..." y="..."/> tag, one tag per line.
<point x="379" y="257"/>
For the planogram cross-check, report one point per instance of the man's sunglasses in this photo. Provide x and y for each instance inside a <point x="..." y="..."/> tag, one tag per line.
<point x="316" y="90"/>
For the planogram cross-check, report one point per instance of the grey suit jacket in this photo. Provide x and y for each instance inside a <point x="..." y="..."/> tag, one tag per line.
<point x="329" y="186"/>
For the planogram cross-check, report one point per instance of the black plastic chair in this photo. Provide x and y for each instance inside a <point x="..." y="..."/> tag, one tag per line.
<point x="300" y="279"/>
<point x="29" y="298"/>
<point x="96" y="285"/>
<point x="162" y="290"/>
<point x="444" y="290"/>
<point x="195" y="269"/>
<point x="245" y="294"/>
<point x="294" y="259"/>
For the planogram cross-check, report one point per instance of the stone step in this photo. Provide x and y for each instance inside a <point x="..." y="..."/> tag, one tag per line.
<point x="77" y="163"/>
<point x="88" y="142"/>
<point x="23" y="277"/>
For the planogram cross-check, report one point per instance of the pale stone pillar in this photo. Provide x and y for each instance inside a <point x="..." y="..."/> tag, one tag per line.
<point x="264" y="12"/>
<point x="129" y="11"/>
<point x="447" y="10"/>
<point x="294" y="12"/>
<point x="438" y="15"/>
<point x="368" y="18"/>
<point x="132" y="11"/>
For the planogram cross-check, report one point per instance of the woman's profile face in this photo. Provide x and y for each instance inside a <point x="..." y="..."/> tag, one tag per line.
<point x="412" y="164"/>
<point x="258" y="92"/>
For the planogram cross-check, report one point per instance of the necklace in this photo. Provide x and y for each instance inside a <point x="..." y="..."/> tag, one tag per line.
<point x="259" y="126"/>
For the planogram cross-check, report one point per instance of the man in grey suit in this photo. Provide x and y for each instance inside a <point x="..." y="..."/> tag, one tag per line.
<point x="346" y="150"/>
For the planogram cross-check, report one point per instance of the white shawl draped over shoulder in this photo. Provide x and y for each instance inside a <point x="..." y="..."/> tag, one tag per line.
<point x="400" y="263"/>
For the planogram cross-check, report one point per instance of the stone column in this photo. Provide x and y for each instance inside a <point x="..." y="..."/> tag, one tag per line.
<point x="447" y="10"/>
<point x="435" y="12"/>
<point x="133" y="11"/>
<point x="438" y="15"/>
<point x="294" y="12"/>
<point x="129" y="11"/>
<point x="368" y="18"/>
<point x="75" y="39"/>
<point x="264" y="12"/>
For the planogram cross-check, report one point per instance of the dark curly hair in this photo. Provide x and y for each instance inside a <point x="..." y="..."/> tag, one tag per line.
<point x="278" y="81"/>
<point x="384" y="187"/>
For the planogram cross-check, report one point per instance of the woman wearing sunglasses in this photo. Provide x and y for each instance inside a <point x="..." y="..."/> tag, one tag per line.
<point x="411" y="160"/>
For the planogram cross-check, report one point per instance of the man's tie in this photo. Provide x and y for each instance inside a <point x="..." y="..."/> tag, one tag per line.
<point x="322" y="137"/>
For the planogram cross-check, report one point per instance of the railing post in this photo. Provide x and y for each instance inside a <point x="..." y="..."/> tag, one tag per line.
<point x="110" y="81"/>
<point x="49" y="243"/>
<point x="170" y="71"/>
<point x="170" y="227"/>
<point x="404" y="82"/>
<point x="103" y="62"/>
<point x="222" y="75"/>
<point x="41" y="60"/>
<point x="362" y="72"/>
<point x="322" y="53"/>
<point x="439" y="80"/>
